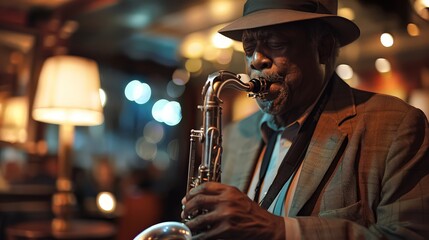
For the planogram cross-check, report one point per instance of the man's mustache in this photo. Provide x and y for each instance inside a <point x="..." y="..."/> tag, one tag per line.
<point x="271" y="77"/>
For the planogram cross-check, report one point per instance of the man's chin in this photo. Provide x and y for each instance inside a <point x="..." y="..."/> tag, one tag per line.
<point x="266" y="106"/>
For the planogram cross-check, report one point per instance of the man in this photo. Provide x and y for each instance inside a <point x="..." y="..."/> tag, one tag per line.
<point x="321" y="160"/>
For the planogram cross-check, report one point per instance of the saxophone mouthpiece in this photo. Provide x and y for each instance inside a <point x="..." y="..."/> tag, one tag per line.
<point x="259" y="87"/>
<point x="256" y="85"/>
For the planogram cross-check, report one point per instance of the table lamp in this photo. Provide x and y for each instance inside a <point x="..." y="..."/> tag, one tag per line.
<point x="68" y="95"/>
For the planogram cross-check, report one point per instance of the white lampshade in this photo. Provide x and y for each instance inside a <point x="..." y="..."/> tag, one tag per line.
<point x="68" y="92"/>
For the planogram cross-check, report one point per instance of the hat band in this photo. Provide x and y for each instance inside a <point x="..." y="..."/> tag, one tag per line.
<point x="311" y="6"/>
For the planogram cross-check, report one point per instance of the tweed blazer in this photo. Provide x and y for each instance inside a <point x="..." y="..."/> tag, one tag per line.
<point x="365" y="172"/>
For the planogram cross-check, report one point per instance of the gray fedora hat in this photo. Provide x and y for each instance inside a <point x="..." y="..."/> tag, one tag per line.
<point x="262" y="13"/>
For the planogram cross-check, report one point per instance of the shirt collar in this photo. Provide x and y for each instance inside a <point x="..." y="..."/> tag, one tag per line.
<point x="268" y="126"/>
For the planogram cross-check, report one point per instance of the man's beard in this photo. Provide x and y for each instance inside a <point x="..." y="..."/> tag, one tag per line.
<point x="278" y="102"/>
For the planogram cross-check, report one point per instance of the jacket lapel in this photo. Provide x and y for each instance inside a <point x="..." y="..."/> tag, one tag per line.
<point x="247" y="162"/>
<point x="326" y="142"/>
<point x="242" y="153"/>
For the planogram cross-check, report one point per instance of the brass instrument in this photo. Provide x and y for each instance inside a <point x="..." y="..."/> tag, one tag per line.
<point x="210" y="138"/>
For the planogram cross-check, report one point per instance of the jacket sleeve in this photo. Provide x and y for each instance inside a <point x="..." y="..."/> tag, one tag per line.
<point x="403" y="209"/>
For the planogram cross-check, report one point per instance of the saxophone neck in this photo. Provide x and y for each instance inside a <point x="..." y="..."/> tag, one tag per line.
<point x="257" y="88"/>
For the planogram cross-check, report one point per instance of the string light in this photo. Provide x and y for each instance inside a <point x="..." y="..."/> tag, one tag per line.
<point x="344" y="71"/>
<point x="382" y="65"/>
<point x="386" y="40"/>
<point x="413" y="30"/>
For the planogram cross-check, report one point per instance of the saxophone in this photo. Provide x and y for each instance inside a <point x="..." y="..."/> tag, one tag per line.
<point x="210" y="138"/>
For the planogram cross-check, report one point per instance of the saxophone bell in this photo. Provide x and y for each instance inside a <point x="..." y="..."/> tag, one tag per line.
<point x="166" y="231"/>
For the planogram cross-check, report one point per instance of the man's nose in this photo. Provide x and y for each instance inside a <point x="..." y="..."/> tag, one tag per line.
<point x="260" y="61"/>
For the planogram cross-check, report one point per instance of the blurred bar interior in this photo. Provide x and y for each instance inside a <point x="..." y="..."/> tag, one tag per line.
<point x="153" y="58"/>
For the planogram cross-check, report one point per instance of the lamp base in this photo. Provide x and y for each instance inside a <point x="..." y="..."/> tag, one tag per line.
<point x="63" y="206"/>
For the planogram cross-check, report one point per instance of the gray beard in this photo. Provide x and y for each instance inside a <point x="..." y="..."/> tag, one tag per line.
<point x="275" y="107"/>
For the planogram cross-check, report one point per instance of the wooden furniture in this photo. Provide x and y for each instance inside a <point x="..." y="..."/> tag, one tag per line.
<point x="80" y="229"/>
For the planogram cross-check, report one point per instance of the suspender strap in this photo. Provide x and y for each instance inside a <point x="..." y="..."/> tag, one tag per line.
<point x="265" y="162"/>
<point x="297" y="151"/>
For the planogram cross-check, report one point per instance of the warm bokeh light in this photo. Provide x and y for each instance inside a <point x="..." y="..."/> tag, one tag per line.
<point x="386" y="39"/>
<point x="68" y="28"/>
<point x="106" y="202"/>
<point x="211" y="53"/>
<point x="238" y="46"/>
<point x="382" y="65"/>
<point x="243" y="106"/>
<point x="422" y="8"/>
<point x="344" y="71"/>
<point x="390" y="83"/>
<point x="103" y="97"/>
<point x="419" y="98"/>
<point x="14" y="119"/>
<point x="193" y="45"/>
<point x="221" y="9"/>
<point x="225" y="56"/>
<point x="220" y="41"/>
<point x="180" y="76"/>
<point x="193" y="65"/>
<point x="413" y="30"/>
<point x="346" y="13"/>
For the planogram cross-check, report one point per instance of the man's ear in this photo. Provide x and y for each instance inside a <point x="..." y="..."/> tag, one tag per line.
<point x="325" y="48"/>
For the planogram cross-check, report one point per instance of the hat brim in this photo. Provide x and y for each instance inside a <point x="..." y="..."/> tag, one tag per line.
<point x="346" y="30"/>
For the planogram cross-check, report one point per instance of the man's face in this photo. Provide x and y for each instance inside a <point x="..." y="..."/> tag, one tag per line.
<point x="286" y="56"/>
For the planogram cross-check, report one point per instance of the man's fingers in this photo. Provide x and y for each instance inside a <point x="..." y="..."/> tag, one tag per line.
<point x="199" y="203"/>
<point x="203" y="222"/>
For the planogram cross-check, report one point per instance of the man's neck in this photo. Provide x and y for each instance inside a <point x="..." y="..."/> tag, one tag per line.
<point x="293" y="115"/>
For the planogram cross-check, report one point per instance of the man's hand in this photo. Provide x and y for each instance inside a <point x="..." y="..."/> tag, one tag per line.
<point x="230" y="215"/>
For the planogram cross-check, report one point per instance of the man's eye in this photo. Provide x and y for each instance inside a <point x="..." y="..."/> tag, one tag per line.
<point x="276" y="45"/>
<point x="249" y="49"/>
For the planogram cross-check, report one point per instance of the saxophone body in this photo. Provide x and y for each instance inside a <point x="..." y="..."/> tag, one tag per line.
<point x="209" y="138"/>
